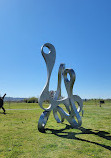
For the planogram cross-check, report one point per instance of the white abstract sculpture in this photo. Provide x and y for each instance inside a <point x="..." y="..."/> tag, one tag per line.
<point x="55" y="101"/>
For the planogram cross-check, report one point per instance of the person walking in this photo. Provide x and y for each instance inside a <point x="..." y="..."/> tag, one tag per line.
<point x="2" y="102"/>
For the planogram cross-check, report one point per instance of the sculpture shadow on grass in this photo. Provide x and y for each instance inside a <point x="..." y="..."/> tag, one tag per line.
<point x="72" y="135"/>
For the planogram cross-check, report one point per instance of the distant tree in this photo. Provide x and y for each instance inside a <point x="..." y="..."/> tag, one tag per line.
<point x="25" y="100"/>
<point x="31" y="100"/>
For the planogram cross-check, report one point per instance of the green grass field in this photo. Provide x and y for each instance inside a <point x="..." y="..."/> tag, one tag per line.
<point x="20" y="138"/>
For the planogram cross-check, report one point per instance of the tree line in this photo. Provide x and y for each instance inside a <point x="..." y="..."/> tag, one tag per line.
<point x="31" y="100"/>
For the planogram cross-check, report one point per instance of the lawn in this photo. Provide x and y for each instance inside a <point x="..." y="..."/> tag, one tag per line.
<point x="20" y="138"/>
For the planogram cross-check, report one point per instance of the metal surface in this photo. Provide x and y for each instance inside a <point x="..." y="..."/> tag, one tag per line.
<point x="72" y="113"/>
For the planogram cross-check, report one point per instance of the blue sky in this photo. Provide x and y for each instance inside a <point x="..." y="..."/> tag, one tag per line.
<point x="80" y="30"/>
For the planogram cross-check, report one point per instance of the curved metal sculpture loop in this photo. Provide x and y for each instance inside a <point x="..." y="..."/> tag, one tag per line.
<point x="56" y="100"/>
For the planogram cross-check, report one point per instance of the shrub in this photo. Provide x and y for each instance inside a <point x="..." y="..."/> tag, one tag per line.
<point x="31" y="100"/>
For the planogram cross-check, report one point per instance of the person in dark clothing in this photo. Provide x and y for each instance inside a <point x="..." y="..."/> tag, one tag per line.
<point x="2" y="102"/>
